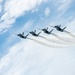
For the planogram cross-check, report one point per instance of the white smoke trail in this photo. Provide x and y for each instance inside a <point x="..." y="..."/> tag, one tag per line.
<point x="65" y="40"/>
<point x="48" y="44"/>
<point x="69" y="33"/>
<point x="52" y="40"/>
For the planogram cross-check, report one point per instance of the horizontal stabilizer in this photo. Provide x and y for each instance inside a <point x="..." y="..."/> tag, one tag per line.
<point x="51" y="30"/>
<point x="64" y="28"/>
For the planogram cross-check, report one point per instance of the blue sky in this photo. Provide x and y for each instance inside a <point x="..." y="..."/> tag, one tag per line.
<point x="40" y="56"/>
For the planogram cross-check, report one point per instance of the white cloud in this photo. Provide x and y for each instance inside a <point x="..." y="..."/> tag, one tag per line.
<point x="1" y="1"/>
<point x="14" y="9"/>
<point x="1" y="6"/>
<point x="28" y="57"/>
<point x="63" y="6"/>
<point x="47" y="12"/>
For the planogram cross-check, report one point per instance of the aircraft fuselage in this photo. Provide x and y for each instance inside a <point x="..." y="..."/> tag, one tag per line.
<point x="34" y="34"/>
<point x="46" y="31"/>
<point x="59" y="29"/>
<point x="20" y="35"/>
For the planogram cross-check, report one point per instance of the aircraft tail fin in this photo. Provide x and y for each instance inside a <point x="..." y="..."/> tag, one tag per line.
<point x="34" y="31"/>
<point x="46" y="28"/>
<point x="22" y="33"/>
<point x="59" y="25"/>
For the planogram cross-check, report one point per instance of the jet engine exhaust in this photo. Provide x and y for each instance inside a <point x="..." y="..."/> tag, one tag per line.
<point x="70" y="34"/>
<point x="47" y="44"/>
<point x="50" y="40"/>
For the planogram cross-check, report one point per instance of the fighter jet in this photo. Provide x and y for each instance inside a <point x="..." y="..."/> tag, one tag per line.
<point x="45" y="30"/>
<point x="34" y="33"/>
<point x="22" y="35"/>
<point x="58" y="27"/>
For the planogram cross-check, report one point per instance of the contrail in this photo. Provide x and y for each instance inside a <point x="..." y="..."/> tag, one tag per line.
<point x="66" y="40"/>
<point x="48" y="44"/>
<point x="61" y="39"/>
<point x="69" y="33"/>
<point x="50" y="40"/>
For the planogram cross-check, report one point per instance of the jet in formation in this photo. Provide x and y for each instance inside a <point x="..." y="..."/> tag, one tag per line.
<point x="58" y="27"/>
<point x="45" y="30"/>
<point x="21" y="35"/>
<point x="34" y="33"/>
